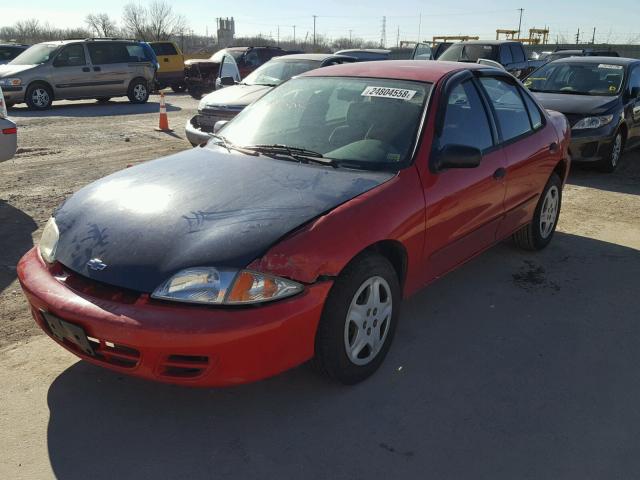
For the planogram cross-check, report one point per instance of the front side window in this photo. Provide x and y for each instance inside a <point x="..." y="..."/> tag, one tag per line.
<point x="513" y="117"/>
<point x="577" y="79"/>
<point x="276" y="72"/>
<point x="71" y="56"/>
<point x="465" y="120"/>
<point x="36" y="55"/>
<point x="505" y="55"/>
<point x="366" y="122"/>
<point x="229" y="68"/>
<point x="634" y="79"/>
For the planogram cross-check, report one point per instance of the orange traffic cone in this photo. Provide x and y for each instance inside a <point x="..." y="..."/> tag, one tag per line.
<point x="164" y="120"/>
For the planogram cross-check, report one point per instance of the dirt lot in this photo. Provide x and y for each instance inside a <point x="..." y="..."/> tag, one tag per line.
<point x="515" y="366"/>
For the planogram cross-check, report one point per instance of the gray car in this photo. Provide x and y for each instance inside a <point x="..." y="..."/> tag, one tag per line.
<point x="78" y="69"/>
<point x="8" y="133"/>
<point x="226" y="103"/>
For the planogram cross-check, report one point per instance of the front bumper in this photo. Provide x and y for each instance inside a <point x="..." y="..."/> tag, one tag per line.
<point x="182" y="344"/>
<point x="194" y="132"/>
<point x="592" y="145"/>
<point x="13" y="95"/>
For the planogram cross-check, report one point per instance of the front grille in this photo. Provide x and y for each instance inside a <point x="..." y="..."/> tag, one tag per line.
<point x="208" y="117"/>
<point x="92" y="288"/>
<point x="184" y="366"/>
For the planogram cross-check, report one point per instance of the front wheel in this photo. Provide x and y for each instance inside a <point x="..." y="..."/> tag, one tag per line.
<point x="358" y="321"/>
<point x="610" y="163"/>
<point x="138" y="91"/>
<point x="39" y="97"/>
<point x="538" y="234"/>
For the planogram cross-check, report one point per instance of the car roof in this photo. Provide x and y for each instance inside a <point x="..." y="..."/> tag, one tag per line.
<point x="487" y="42"/>
<point x="420" y="70"/>
<point x="380" y="51"/>
<point x="608" y="60"/>
<point x="320" y="57"/>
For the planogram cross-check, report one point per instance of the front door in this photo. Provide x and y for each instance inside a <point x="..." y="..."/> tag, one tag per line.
<point x="71" y="74"/>
<point x="464" y="206"/>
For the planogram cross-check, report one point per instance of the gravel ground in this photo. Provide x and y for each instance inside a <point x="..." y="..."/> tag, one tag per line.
<point x="517" y="365"/>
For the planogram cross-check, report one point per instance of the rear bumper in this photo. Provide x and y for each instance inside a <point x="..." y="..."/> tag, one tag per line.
<point x="8" y="141"/>
<point x="181" y="344"/>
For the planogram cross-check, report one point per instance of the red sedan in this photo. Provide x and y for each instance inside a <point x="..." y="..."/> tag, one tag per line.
<point x="296" y="232"/>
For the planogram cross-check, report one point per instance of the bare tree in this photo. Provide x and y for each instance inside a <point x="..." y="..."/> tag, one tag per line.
<point x="164" y="23"/>
<point x="135" y="21"/>
<point x="102" y="24"/>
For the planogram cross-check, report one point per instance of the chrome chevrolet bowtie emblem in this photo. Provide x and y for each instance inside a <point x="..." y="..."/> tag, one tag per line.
<point x="96" y="264"/>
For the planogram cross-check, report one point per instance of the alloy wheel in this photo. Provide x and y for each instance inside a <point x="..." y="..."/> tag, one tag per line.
<point x="140" y="92"/>
<point x="549" y="212"/>
<point x="40" y="97"/>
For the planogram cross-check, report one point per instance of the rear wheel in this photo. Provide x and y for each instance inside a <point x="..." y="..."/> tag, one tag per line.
<point x="39" y="97"/>
<point x="539" y="232"/>
<point x="610" y="163"/>
<point x="138" y="91"/>
<point x="196" y="92"/>
<point x="358" y="321"/>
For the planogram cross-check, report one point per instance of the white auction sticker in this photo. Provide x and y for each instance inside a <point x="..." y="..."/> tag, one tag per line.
<point x="385" y="92"/>
<point x="610" y="67"/>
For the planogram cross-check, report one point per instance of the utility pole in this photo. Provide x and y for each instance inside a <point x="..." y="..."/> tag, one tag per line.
<point x="350" y="42"/>
<point x="314" y="31"/>
<point x="398" y="38"/>
<point x="419" y="26"/>
<point x="383" y="33"/>
<point x="278" y="35"/>
<point x="294" y="34"/>
<point x="520" y="23"/>
<point x="578" y="37"/>
<point x="593" y="39"/>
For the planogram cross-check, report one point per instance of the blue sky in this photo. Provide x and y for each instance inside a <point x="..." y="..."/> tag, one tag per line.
<point x="335" y="18"/>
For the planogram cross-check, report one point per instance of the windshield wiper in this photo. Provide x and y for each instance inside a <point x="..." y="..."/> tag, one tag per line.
<point x="297" y="153"/>
<point x="222" y="141"/>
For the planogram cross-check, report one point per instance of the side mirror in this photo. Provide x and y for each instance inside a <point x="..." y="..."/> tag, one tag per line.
<point x="457" y="156"/>
<point x="218" y="125"/>
<point x="227" y="81"/>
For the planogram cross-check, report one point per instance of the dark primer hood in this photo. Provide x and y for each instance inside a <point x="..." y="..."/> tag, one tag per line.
<point x="202" y="207"/>
<point x="576" y="104"/>
<point x="237" y="95"/>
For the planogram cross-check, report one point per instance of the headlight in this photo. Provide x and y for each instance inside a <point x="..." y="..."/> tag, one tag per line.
<point x="593" y="122"/>
<point x="49" y="241"/>
<point x="216" y="286"/>
<point x="10" y="82"/>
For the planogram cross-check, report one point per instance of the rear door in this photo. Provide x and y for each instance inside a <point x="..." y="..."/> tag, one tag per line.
<point x="110" y="66"/>
<point x="464" y="206"/>
<point x="530" y="146"/>
<point x="634" y="106"/>
<point x="72" y="77"/>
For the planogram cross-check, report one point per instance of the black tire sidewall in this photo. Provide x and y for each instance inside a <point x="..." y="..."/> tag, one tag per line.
<point x="29" y="93"/>
<point x="131" y="95"/>
<point x="539" y="241"/>
<point x="607" y="165"/>
<point x="330" y="338"/>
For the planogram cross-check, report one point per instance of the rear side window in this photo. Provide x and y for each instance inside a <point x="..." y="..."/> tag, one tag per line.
<point x="465" y="120"/>
<point x="106" y="53"/>
<point x="517" y="53"/>
<point x="136" y="53"/>
<point x="505" y="55"/>
<point x="534" y="112"/>
<point x="513" y="117"/>
<point x="165" y="48"/>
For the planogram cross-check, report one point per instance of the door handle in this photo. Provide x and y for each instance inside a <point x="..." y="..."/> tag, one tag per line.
<point x="86" y="69"/>
<point x="553" y="148"/>
<point x="499" y="173"/>
<point x="96" y="69"/>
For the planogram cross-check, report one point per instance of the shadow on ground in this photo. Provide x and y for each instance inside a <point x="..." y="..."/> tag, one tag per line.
<point x="91" y="109"/>
<point x="515" y="366"/>
<point x="16" y="228"/>
<point x="626" y="178"/>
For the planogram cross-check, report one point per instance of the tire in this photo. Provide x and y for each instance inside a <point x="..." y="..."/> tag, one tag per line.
<point x="609" y="164"/>
<point x="339" y="354"/>
<point x="138" y="91"/>
<point x="538" y="234"/>
<point x="196" y="92"/>
<point x="103" y="99"/>
<point x="39" y="97"/>
<point x="178" y="87"/>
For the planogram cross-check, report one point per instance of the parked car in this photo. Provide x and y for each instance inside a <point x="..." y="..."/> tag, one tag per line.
<point x="422" y="51"/>
<point x="250" y="58"/>
<point x="601" y="98"/>
<point x="297" y="233"/>
<point x="585" y="52"/>
<point x="225" y="104"/>
<point x="8" y="133"/>
<point x="78" y="69"/>
<point x="510" y="54"/>
<point x="171" y="61"/>
<point x="366" y="54"/>
<point x="9" y="51"/>
<point x="204" y="76"/>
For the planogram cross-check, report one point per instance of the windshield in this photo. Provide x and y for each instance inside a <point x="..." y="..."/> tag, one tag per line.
<point x="365" y="122"/>
<point x="275" y="72"/>
<point x="36" y="55"/>
<point x="468" y="53"/>
<point x="577" y="78"/>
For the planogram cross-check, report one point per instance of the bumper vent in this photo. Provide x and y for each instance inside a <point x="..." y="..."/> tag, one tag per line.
<point x="184" y="366"/>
